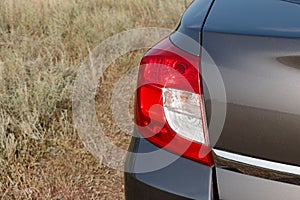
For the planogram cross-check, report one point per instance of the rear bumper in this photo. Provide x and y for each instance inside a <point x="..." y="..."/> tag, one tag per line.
<point x="136" y="189"/>
<point x="182" y="179"/>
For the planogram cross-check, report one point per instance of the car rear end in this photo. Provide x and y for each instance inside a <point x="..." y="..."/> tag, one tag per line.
<point x="183" y="149"/>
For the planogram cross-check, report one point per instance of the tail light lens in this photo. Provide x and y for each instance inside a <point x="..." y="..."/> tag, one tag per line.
<point x="169" y="105"/>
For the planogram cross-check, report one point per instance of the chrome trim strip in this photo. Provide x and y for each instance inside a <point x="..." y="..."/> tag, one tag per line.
<point x="258" y="162"/>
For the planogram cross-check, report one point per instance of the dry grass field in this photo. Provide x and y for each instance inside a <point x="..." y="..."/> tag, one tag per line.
<point x="42" y="44"/>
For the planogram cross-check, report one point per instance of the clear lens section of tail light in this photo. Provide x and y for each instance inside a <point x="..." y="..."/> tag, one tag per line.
<point x="182" y="111"/>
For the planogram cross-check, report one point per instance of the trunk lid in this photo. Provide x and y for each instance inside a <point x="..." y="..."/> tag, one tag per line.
<point x="256" y="47"/>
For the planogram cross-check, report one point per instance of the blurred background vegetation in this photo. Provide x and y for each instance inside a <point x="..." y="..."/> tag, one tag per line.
<point x="42" y="44"/>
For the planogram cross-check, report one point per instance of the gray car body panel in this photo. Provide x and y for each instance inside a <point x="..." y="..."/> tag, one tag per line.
<point x="187" y="36"/>
<point x="258" y="55"/>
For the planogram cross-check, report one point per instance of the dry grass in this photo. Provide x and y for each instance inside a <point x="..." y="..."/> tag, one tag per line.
<point x="42" y="43"/>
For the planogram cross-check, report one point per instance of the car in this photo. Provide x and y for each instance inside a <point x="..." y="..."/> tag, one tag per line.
<point x="217" y="112"/>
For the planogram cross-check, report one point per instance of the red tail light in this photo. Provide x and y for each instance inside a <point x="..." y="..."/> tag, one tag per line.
<point x="169" y="105"/>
